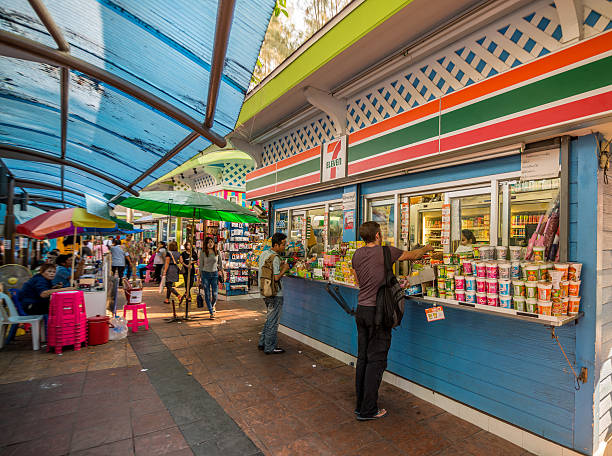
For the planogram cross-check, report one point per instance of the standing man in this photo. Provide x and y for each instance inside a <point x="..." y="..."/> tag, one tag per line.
<point x="274" y="304"/>
<point x="373" y="342"/>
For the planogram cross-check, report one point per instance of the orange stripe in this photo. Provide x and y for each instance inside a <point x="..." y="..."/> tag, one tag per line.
<point x="396" y="121"/>
<point x="551" y="62"/>
<point x="261" y="171"/>
<point x="310" y="153"/>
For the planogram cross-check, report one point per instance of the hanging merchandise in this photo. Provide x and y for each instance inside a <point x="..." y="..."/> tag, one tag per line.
<point x="236" y="248"/>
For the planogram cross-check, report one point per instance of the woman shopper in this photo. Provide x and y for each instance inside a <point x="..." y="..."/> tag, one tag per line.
<point x="160" y="260"/>
<point x="188" y="259"/>
<point x="171" y="271"/>
<point x="210" y="268"/>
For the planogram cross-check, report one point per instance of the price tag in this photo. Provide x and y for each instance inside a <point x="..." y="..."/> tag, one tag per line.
<point x="434" y="313"/>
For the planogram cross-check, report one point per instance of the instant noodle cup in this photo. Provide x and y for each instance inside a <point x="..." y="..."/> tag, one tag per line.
<point x="544" y="307"/>
<point x="557" y="309"/>
<point x="574" y="288"/>
<point x="442" y="294"/>
<point x="441" y="283"/>
<point x="518" y="288"/>
<point x="481" y="269"/>
<point x="524" y="265"/>
<point x="532" y="272"/>
<point x="531" y="305"/>
<point x="574" y="305"/>
<point x="531" y="290"/>
<point x="538" y="253"/>
<point x="460" y="296"/>
<point x="505" y="301"/>
<point x="481" y="298"/>
<point x="481" y="285"/>
<point x="451" y="271"/>
<point x="544" y="270"/>
<point x="555" y="294"/>
<point x="504" y="287"/>
<point x="491" y="285"/>
<point x="487" y="252"/>
<point x="431" y="291"/>
<point x="501" y="252"/>
<point x="459" y="283"/>
<point x="515" y="270"/>
<point x="450" y="295"/>
<point x="492" y="270"/>
<point x="470" y="297"/>
<point x="544" y="291"/>
<point x="470" y="283"/>
<point x="574" y="271"/>
<point x="555" y="276"/>
<point x="447" y="258"/>
<point x="467" y="267"/>
<point x="565" y="304"/>
<point x="519" y="303"/>
<point x="516" y="252"/>
<point x="563" y="267"/>
<point x="503" y="269"/>
<point x="450" y="284"/>
<point x="493" y="299"/>
<point x="442" y="271"/>
<point x="564" y="285"/>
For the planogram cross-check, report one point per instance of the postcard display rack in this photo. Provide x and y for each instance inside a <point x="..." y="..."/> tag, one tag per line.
<point x="236" y="248"/>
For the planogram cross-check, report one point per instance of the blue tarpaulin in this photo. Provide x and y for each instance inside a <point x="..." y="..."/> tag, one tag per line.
<point x="163" y="47"/>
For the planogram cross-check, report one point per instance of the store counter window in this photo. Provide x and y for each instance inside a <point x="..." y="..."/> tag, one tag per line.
<point x="280" y="222"/>
<point x="315" y="232"/>
<point x="298" y="222"/>
<point x="383" y="212"/>
<point x="426" y="220"/>
<point x="335" y="227"/>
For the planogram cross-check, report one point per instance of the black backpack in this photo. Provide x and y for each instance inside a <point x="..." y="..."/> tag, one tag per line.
<point x="389" y="298"/>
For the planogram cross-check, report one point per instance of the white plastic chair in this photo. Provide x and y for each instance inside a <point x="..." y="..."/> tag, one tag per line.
<point x="13" y="318"/>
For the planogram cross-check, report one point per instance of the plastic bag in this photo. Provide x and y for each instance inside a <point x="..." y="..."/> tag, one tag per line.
<point x="118" y="328"/>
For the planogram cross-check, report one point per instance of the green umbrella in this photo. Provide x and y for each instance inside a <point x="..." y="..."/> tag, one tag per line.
<point x="190" y="205"/>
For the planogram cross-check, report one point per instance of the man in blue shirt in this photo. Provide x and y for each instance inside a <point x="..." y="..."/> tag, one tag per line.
<point x="64" y="269"/>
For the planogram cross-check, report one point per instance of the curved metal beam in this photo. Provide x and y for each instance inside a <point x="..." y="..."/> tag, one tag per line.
<point x="27" y="183"/>
<point x="40" y="52"/>
<point x="35" y="199"/>
<point x="22" y="153"/>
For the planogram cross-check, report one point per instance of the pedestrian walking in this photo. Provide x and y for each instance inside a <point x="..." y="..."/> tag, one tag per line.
<point x="373" y="341"/>
<point x="210" y="269"/>
<point x="171" y="270"/>
<point x="270" y="264"/>
<point x="188" y="260"/>
<point x="160" y="260"/>
<point x="118" y="258"/>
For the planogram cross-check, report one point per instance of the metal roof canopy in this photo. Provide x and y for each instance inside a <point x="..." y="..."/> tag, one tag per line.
<point x="157" y="59"/>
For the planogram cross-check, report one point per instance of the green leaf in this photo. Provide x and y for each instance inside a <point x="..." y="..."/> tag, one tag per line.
<point x="285" y="12"/>
<point x="283" y="3"/>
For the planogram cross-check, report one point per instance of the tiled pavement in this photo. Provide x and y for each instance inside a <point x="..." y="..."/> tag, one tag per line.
<point x="202" y="387"/>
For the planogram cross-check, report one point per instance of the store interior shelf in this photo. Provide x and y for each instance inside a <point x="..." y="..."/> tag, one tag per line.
<point x="499" y="311"/>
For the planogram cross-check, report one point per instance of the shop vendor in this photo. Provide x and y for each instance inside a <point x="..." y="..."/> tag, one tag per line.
<point x="35" y="293"/>
<point x="64" y="270"/>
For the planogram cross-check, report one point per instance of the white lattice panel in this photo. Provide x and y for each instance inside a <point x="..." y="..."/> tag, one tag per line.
<point x="203" y="182"/>
<point x="521" y="37"/>
<point x="234" y="174"/>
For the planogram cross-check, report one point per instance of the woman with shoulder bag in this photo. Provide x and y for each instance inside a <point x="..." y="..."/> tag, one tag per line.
<point x="188" y="260"/>
<point x="210" y="269"/>
<point x="171" y="270"/>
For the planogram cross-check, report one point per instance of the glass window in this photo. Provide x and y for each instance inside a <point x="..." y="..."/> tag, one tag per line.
<point x="298" y="223"/>
<point x="280" y="222"/>
<point x="530" y="203"/>
<point x="335" y="226"/>
<point x="475" y="222"/>
<point x="315" y="232"/>
<point x="426" y="221"/>
<point x="383" y="212"/>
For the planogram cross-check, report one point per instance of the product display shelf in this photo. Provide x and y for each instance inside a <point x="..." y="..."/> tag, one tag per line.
<point x="236" y="247"/>
<point x="498" y="311"/>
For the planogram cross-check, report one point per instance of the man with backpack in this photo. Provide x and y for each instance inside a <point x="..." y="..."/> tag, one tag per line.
<point x="373" y="340"/>
<point x="271" y="270"/>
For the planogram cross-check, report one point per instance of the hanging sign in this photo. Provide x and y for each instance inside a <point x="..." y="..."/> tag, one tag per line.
<point x="349" y="201"/>
<point x="446" y="217"/>
<point x="405" y="220"/>
<point x="543" y="164"/>
<point x="349" y="219"/>
<point x="7" y="244"/>
<point x="23" y="243"/>
<point x="333" y="159"/>
<point x="434" y="313"/>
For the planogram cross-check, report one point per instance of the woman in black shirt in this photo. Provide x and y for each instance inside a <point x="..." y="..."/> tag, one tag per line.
<point x="189" y="259"/>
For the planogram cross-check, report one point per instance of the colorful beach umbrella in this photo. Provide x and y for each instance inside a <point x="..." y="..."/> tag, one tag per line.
<point x="62" y="222"/>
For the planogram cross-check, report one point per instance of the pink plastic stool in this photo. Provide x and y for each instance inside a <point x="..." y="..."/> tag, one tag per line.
<point x="147" y="276"/>
<point x="135" y="322"/>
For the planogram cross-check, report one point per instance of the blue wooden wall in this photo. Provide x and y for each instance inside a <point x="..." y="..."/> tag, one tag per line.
<point x="510" y="369"/>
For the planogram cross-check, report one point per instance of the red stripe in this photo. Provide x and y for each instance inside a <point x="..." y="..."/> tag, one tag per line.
<point x="335" y="153"/>
<point x="264" y="191"/>
<point x="299" y="182"/>
<point x="397" y="156"/>
<point x="555" y="115"/>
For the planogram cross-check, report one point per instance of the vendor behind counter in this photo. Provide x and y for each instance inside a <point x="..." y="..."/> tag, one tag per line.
<point x="35" y="294"/>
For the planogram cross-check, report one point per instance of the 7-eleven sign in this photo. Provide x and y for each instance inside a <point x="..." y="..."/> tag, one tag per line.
<point x="333" y="159"/>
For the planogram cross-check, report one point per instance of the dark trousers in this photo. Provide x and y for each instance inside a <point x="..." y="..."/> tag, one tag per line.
<point x="158" y="269"/>
<point x="373" y="346"/>
<point x="119" y="270"/>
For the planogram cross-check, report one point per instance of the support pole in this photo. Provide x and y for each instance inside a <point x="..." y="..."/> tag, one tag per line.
<point x="73" y="255"/>
<point x="9" y="224"/>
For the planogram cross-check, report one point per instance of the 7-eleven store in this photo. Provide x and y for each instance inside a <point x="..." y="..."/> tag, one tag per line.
<point x="498" y="115"/>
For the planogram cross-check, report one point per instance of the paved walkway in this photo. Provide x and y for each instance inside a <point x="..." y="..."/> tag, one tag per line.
<point x="202" y="387"/>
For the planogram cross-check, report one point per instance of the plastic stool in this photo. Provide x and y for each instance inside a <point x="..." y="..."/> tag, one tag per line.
<point x="135" y="322"/>
<point x="147" y="276"/>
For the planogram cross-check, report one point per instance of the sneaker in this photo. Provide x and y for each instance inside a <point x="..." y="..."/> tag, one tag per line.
<point x="379" y="414"/>
<point x="276" y="351"/>
<point x="212" y="316"/>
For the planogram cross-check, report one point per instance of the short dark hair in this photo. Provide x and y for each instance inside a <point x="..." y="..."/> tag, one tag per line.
<point x="277" y="238"/>
<point x="45" y="266"/>
<point x="469" y="235"/>
<point x="368" y="230"/>
<point x="116" y="242"/>
<point x="61" y="259"/>
<point x="173" y="246"/>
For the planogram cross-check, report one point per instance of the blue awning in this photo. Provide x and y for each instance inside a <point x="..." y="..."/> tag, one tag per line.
<point x="164" y="48"/>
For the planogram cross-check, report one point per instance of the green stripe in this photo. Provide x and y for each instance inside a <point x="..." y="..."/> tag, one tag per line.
<point x="300" y="170"/>
<point x="400" y="138"/>
<point x="358" y="23"/>
<point x="588" y="77"/>
<point x="260" y="182"/>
